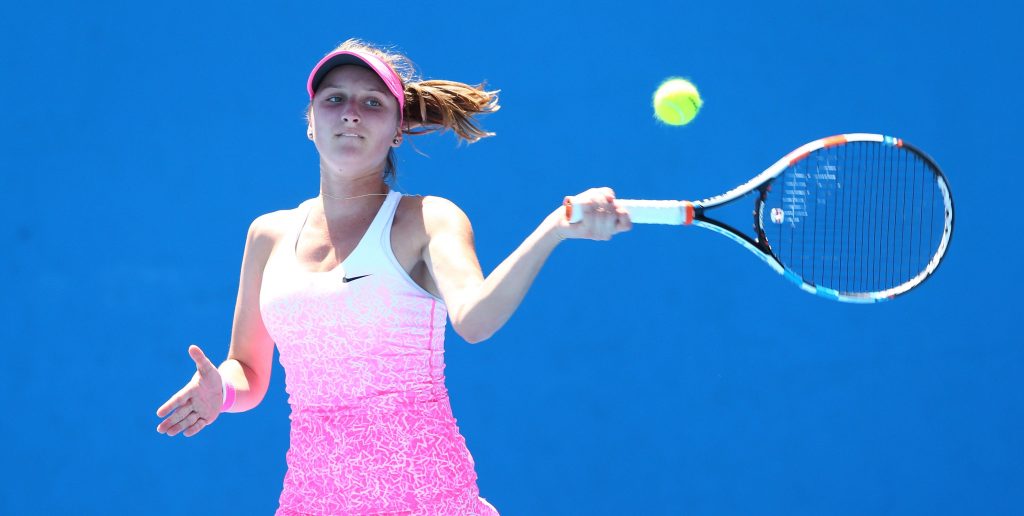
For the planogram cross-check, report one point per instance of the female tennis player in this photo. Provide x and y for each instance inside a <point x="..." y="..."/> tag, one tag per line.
<point x="354" y="287"/>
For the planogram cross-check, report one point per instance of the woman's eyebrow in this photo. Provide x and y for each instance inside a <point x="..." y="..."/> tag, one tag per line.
<point x="338" y="86"/>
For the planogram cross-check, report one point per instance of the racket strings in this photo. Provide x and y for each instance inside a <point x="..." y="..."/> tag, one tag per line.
<point x="859" y="217"/>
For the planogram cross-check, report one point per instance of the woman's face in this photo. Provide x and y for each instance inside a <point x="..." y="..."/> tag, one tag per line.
<point x="354" y="119"/>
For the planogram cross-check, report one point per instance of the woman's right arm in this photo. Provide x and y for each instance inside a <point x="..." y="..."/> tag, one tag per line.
<point x="250" y="355"/>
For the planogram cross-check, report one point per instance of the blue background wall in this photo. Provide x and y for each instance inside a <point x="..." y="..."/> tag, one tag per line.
<point x="139" y="141"/>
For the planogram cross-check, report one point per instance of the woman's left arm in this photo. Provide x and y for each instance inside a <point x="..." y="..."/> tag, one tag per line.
<point x="479" y="306"/>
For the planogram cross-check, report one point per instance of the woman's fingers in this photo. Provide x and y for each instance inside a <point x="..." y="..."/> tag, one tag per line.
<point x="179" y="414"/>
<point x="175" y="401"/>
<point x="601" y="215"/>
<point x="622" y="222"/>
<point x="188" y="413"/>
<point x="203" y="364"/>
<point x="601" y="223"/>
<point x="208" y="392"/>
<point x="189" y="420"/>
<point x="601" y="219"/>
<point x="194" y="429"/>
<point x="199" y="401"/>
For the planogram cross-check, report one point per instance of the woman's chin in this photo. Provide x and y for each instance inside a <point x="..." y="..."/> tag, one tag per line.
<point x="357" y="164"/>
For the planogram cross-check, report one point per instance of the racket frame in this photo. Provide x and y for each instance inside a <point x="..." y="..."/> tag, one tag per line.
<point x="693" y="213"/>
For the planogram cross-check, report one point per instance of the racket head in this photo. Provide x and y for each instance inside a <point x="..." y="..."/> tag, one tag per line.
<point x="858" y="218"/>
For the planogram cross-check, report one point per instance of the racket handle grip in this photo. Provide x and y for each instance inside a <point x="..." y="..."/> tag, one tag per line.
<point x="676" y="213"/>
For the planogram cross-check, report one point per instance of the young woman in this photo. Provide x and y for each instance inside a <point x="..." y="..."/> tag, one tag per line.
<point x="355" y="285"/>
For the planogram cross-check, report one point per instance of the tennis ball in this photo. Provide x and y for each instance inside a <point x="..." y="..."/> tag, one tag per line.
<point x="676" y="101"/>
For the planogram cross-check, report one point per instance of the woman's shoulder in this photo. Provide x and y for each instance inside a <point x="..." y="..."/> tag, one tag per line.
<point x="270" y="227"/>
<point x="432" y="212"/>
<point x="432" y="207"/>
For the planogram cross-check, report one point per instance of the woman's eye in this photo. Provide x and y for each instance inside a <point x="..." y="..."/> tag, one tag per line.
<point x="374" y="102"/>
<point x="334" y="99"/>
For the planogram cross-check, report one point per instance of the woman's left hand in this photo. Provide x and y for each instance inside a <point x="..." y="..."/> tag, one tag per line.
<point x="197" y="404"/>
<point x="602" y="218"/>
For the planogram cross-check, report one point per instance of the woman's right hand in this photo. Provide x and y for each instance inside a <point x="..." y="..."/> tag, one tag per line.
<point x="197" y="404"/>
<point x="602" y="218"/>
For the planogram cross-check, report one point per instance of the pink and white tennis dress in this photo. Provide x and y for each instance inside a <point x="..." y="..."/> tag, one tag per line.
<point x="362" y="346"/>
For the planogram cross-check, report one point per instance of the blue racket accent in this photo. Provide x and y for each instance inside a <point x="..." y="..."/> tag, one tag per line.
<point x="772" y="262"/>
<point x="827" y="293"/>
<point x="789" y="274"/>
<point x="794" y="277"/>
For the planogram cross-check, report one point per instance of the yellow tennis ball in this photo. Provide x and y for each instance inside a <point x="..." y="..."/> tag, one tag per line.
<point x="676" y="101"/>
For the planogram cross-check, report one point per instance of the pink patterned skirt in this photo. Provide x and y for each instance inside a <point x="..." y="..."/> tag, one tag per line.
<point x="408" y="461"/>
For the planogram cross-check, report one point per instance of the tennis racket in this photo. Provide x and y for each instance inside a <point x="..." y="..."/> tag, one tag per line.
<point x="858" y="218"/>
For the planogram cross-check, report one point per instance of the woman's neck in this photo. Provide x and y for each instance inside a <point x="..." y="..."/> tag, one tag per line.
<point x="343" y="197"/>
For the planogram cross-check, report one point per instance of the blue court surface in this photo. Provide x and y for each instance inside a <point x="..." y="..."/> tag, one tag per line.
<point x="667" y="371"/>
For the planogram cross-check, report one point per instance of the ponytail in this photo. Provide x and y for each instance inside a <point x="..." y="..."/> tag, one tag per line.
<point x="432" y="106"/>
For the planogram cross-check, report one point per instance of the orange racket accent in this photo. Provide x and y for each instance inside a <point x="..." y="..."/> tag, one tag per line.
<point x="689" y="214"/>
<point x="832" y="141"/>
<point x="568" y="208"/>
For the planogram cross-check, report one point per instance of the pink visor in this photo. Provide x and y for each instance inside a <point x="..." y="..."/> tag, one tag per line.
<point x="343" y="57"/>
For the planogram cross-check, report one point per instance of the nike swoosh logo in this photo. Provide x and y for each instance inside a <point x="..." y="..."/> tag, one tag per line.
<point x="346" y="280"/>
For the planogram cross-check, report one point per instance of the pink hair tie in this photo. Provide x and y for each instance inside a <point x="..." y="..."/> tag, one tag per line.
<point x="228" y="398"/>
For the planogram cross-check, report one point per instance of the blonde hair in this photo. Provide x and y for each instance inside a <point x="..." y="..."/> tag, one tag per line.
<point x="434" y="105"/>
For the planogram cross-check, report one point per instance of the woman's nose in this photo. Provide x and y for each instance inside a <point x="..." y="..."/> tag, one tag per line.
<point x="350" y="112"/>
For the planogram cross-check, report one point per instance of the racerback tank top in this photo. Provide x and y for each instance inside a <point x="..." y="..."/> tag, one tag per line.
<point x="362" y="347"/>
